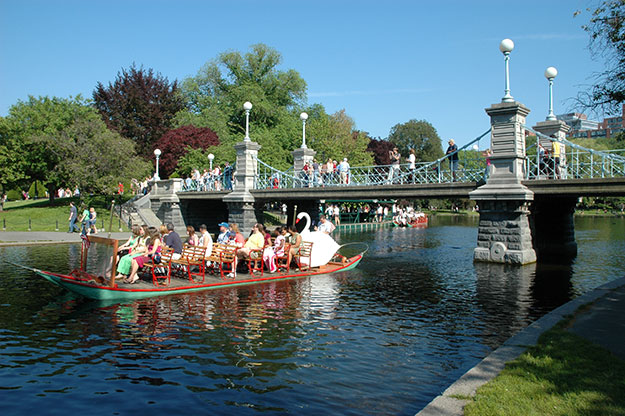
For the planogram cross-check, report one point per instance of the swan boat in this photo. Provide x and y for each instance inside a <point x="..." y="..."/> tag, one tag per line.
<point x="95" y="277"/>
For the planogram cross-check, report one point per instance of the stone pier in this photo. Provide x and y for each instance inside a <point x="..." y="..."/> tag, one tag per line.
<point x="504" y="234"/>
<point x="241" y="203"/>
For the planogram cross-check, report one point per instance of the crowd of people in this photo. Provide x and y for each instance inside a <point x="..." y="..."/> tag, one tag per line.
<point x="214" y="179"/>
<point x="147" y="242"/>
<point x="315" y="174"/>
<point x="407" y="215"/>
<point x="87" y="219"/>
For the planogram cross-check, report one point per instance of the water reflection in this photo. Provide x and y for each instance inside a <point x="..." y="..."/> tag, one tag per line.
<point x="384" y="338"/>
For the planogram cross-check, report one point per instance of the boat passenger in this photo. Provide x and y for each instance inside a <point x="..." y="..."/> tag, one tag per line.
<point x="325" y="226"/>
<point x="224" y="231"/>
<point x="255" y="242"/>
<point x="193" y="239"/>
<point x="127" y="247"/>
<point x="239" y="240"/>
<point x="266" y="235"/>
<point x="270" y="253"/>
<point x="206" y="240"/>
<point x="173" y="240"/>
<point x="123" y="267"/>
<point x="295" y="239"/>
<point x="154" y="247"/>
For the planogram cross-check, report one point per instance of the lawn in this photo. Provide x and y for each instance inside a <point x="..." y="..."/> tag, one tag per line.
<point x="41" y="215"/>
<point x="563" y="374"/>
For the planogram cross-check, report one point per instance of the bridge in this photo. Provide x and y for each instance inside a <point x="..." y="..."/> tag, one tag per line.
<point x="526" y="198"/>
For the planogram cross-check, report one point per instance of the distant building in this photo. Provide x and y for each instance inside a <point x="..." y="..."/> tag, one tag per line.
<point x="582" y="127"/>
<point x="578" y="121"/>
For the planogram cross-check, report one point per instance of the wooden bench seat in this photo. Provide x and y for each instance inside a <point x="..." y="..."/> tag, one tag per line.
<point x="192" y="256"/>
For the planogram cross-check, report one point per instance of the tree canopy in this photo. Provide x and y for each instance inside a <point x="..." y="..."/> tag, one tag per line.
<point x="606" y="28"/>
<point x="63" y="142"/>
<point x="215" y="98"/>
<point x="418" y="135"/>
<point x="139" y="105"/>
<point x="176" y="143"/>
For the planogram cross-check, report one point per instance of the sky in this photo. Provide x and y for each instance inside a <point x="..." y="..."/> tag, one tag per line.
<point x="384" y="62"/>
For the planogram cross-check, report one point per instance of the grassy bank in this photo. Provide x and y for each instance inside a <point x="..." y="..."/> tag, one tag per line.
<point x="42" y="215"/>
<point x="563" y="374"/>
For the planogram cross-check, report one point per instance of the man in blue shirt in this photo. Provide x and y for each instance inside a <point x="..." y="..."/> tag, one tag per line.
<point x="223" y="236"/>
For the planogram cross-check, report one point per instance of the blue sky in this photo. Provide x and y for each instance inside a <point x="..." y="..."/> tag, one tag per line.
<point x="384" y="62"/>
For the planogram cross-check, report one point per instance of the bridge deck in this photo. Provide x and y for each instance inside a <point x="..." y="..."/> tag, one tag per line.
<point x="557" y="187"/>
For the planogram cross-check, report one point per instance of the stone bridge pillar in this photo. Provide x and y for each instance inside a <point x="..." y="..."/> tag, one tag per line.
<point x="240" y="201"/>
<point x="504" y="234"/>
<point x="301" y="156"/>
<point x="165" y="204"/>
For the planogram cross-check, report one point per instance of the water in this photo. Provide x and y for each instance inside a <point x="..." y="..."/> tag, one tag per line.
<point x="383" y="339"/>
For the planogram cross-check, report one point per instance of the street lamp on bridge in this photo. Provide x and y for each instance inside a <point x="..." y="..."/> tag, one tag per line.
<point x="303" y="117"/>
<point x="157" y="153"/>
<point x="210" y="160"/>
<point x="506" y="46"/>
<point x="247" y="106"/>
<point x="550" y="74"/>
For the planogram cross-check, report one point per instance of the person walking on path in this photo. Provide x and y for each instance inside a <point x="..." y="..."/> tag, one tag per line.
<point x="452" y="151"/>
<point x="73" y="216"/>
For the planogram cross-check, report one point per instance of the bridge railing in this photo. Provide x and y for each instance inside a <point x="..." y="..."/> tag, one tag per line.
<point x="471" y="167"/>
<point x="578" y="162"/>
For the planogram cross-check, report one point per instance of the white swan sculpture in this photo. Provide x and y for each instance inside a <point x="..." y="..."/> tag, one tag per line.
<point x="324" y="246"/>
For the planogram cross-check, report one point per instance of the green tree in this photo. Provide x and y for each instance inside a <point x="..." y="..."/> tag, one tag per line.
<point x="64" y="142"/>
<point x="25" y="137"/>
<point x="215" y="98"/>
<point x="334" y="136"/>
<point x="606" y="28"/>
<point x="139" y="105"/>
<point x="418" y="135"/>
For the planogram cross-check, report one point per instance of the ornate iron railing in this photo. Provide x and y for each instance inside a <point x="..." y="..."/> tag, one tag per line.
<point x="576" y="162"/>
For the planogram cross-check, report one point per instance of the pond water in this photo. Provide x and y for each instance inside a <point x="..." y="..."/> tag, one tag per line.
<point x="383" y="339"/>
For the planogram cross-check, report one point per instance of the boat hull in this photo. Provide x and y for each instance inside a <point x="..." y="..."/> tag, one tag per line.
<point x="90" y="289"/>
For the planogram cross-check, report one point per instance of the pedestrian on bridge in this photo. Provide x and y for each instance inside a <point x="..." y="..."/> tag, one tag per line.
<point x="395" y="157"/>
<point x="452" y="151"/>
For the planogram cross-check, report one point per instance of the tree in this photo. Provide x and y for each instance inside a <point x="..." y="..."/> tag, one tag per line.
<point x="380" y="148"/>
<point x="334" y="136"/>
<point x="176" y="143"/>
<point x="98" y="158"/>
<point x="418" y="135"/>
<point x="139" y="105"/>
<point x="64" y="142"/>
<point x="606" y="28"/>
<point x="215" y="98"/>
<point x="29" y="135"/>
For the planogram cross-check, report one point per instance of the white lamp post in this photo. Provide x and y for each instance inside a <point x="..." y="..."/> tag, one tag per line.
<point x="506" y="46"/>
<point x="247" y="106"/>
<point x="210" y="160"/>
<point x="157" y="153"/>
<point x="303" y="117"/>
<point x="550" y="74"/>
